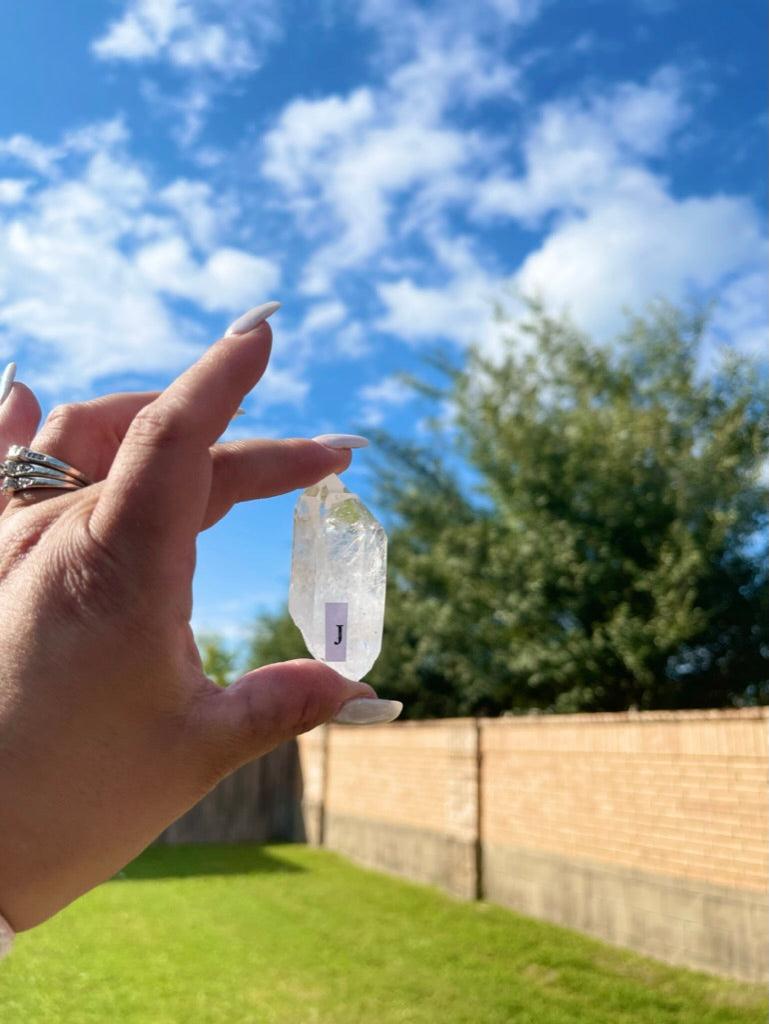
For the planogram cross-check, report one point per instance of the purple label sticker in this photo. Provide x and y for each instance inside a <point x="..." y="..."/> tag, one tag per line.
<point x="336" y="631"/>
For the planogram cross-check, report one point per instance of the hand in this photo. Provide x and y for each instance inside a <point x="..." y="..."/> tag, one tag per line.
<point x="19" y="415"/>
<point x="109" y="728"/>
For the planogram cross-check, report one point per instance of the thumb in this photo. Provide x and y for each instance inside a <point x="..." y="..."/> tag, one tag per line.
<point x="275" y="703"/>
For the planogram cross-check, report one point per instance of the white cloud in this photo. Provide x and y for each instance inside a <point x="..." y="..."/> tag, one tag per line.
<point x="351" y="342"/>
<point x="383" y="171"/>
<point x="403" y="24"/>
<point x="612" y="236"/>
<point x="144" y="29"/>
<point x="741" y="315"/>
<point x="518" y="12"/>
<point x="323" y="316"/>
<point x="211" y="45"/>
<point x="363" y="171"/>
<point x="281" y="385"/>
<point x="309" y="131"/>
<point x="458" y="72"/>
<point x="198" y="209"/>
<point x="94" y="252"/>
<point x="13" y="190"/>
<point x="82" y="308"/>
<point x="96" y="137"/>
<point x="644" y="117"/>
<point x="378" y="400"/>
<point x="187" y="109"/>
<point x="343" y="163"/>
<point x="456" y="311"/>
<point x="226" y="280"/>
<point x="576" y="153"/>
<point x="624" y="252"/>
<point x="618" y="237"/>
<point x="222" y="36"/>
<point x="396" y="183"/>
<point x="27" y="151"/>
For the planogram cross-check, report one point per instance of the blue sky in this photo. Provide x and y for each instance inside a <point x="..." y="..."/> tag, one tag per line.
<point x="387" y="169"/>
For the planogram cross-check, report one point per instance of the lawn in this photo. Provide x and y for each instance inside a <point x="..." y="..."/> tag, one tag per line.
<point x="291" y="935"/>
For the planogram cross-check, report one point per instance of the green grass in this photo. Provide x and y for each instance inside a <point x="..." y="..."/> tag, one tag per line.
<point x="290" y="935"/>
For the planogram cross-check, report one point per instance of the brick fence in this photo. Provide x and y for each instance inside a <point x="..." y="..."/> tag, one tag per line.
<point x="648" y="830"/>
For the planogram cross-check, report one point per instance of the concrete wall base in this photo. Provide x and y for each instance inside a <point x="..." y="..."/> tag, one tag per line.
<point x="682" y="921"/>
<point x="417" y="854"/>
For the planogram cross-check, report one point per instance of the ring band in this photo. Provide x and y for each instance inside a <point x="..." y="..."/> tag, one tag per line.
<point x="19" y="454"/>
<point x="25" y="469"/>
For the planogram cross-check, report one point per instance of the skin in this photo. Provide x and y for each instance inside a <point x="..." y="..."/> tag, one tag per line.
<point x="109" y="728"/>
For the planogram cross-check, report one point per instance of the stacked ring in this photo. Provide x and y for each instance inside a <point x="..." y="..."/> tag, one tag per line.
<point x="25" y="469"/>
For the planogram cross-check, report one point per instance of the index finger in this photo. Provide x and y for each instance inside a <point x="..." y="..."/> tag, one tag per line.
<point x="155" y="497"/>
<point x="19" y="417"/>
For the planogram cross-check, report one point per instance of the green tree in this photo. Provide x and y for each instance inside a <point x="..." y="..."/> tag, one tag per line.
<point x="586" y="530"/>
<point x="275" y="638"/>
<point x="219" y="663"/>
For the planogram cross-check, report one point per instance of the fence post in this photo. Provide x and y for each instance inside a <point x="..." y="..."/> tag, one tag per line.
<point x="479" y="886"/>
<point x="324" y="772"/>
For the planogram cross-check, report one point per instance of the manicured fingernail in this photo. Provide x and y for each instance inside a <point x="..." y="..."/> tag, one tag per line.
<point x="368" y="711"/>
<point x="6" y="381"/>
<point x="252" y="318"/>
<point x="337" y="441"/>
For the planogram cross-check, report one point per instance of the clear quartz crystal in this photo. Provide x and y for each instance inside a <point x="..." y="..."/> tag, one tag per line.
<point x="338" y="576"/>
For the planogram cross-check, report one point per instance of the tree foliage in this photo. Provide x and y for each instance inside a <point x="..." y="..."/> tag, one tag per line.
<point x="585" y="531"/>
<point x="275" y="638"/>
<point x="219" y="663"/>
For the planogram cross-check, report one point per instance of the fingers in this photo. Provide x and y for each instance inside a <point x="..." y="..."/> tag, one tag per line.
<point x="85" y="435"/>
<point x="271" y="705"/>
<point x="88" y="434"/>
<point x="19" y="417"/>
<point x="156" y="495"/>
<point x="246" y="470"/>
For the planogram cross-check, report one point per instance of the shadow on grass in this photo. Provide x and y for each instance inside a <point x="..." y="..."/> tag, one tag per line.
<point x="190" y="861"/>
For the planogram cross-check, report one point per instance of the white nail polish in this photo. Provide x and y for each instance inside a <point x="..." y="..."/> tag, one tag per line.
<point x="337" y="441"/>
<point x="252" y="319"/>
<point x="368" y="711"/>
<point x="6" y="381"/>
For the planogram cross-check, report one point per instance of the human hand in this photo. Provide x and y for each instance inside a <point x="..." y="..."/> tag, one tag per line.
<point x="109" y="728"/>
<point x="19" y="414"/>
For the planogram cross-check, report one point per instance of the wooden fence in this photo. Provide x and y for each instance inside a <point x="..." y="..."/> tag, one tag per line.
<point x="259" y="803"/>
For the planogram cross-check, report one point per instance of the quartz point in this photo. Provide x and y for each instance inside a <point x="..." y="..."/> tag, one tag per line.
<point x="338" y="577"/>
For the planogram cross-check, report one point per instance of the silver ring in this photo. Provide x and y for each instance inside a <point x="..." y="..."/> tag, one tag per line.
<point x="25" y="469"/>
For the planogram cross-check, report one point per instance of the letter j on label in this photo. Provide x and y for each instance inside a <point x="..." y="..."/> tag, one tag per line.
<point x="336" y="631"/>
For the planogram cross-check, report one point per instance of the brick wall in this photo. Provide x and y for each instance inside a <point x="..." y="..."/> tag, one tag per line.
<point x="680" y="793"/>
<point x="418" y="774"/>
<point x="407" y="800"/>
<point x="649" y="830"/>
